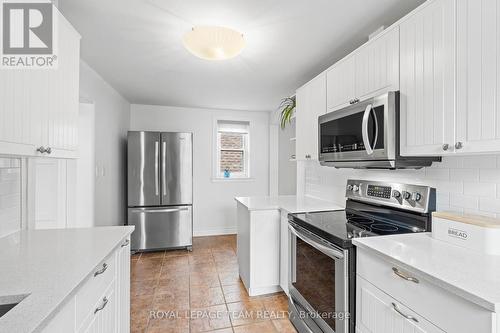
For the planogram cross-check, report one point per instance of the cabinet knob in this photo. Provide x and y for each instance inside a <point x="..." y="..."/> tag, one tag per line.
<point x="459" y="145"/>
<point x="41" y="149"/>
<point x="446" y="147"/>
<point x="48" y="150"/>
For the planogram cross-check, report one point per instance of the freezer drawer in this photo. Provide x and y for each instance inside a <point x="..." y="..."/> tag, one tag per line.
<point x="161" y="227"/>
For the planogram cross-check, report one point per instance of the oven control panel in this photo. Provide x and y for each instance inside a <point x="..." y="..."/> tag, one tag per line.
<point x="412" y="197"/>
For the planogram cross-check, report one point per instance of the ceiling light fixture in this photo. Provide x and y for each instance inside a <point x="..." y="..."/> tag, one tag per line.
<point x="214" y="43"/>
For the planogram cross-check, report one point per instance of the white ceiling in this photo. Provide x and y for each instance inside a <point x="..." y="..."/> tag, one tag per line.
<point x="136" y="45"/>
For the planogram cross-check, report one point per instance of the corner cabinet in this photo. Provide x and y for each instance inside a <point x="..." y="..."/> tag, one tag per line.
<point x="427" y="51"/>
<point x="311" y="103"/>
<point x="39" y="107"/>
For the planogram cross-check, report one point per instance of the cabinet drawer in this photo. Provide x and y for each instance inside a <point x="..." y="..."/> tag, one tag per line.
<point x="446" y="310"/>
<point x="102" y="314"/>
<point x="94" y="288"/>
<point x="377" y="312"/>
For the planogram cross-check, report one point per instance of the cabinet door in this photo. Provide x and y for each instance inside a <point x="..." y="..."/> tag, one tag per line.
<point x="123" y="288"/>
<point x="377" y="312"/>
<point x="284" y="248"/>
<point x="311" y="103"/>
<point x="103" y="317"/>
<point x="478" y="76"/>
<point x="377" y="65"/>
<point x="340" y="83"/>
<point x="427" y="82"/>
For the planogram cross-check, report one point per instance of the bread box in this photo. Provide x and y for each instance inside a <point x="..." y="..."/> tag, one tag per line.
<point x="475" y="232"/>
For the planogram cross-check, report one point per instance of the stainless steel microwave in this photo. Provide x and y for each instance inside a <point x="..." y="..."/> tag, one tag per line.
<point x="366" y="135"/>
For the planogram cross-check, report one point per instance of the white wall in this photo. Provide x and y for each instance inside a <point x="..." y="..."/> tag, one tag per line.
<point x="287" y="182"/>
<point x="464" y="184"/>
<point x="112" y="116"/>
<point x="214" y="205"/>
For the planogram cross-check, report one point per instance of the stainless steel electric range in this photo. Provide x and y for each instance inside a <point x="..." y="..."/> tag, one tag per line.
<point x="323" y="260"/>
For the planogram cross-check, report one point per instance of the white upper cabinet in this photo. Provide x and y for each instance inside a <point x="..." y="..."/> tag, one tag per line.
<point x="427" y="79"/>
<point x="341" y="83"/>
<point x="39" y="107"/>
<point x="478" y="76"/>
<point x="311" y="103"/>
<point x="371" y="70"/>
<point x="377" y="65"/>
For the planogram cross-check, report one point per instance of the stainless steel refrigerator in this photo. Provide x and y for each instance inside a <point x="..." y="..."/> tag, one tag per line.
<point x="160" y="190"/>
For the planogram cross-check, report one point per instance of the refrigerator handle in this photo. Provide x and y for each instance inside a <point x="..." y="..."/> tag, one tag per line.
<point x="157" y="157"/>
<point x="164" y="167"/>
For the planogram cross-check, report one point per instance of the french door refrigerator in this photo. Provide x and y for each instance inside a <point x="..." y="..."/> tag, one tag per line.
<point x="160" y="190"/>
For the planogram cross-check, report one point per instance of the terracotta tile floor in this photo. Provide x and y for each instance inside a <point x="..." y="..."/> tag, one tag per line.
<point x="200" y="291"/>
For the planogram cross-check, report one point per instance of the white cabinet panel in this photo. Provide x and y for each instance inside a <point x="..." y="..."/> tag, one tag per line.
<point x="39" y="107"/>
<point x="478" y="75"/>
<point x="103" y="318"/>
<point x="284" y="249"/>
<point x="377" y="312"/>
<point x="340" y="83"/>
<point x="123" y="288"/>
<point x="427" y="79"/>
<point x="377" y="65"/>
<point x="311" y="103"/>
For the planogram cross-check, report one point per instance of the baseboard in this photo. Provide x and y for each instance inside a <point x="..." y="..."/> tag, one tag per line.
<point x="215" y="232"/>
<point x="257" y="291"/>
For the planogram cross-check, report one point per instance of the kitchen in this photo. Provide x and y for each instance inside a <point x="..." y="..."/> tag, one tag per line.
<point x="150" y="180"/>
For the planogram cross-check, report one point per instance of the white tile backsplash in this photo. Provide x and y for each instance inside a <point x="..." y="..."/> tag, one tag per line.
<point x="465" y="184"/>
<point x="10" y="195"/>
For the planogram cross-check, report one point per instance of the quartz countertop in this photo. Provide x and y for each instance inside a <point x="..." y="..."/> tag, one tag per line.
<point x="48" y="266"/>
<point x="472" y="275"/>
<point x="290" y="203"/>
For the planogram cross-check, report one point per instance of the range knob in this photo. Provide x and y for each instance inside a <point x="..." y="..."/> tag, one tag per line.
<point x="349" y="187"/>
<point x="415" y="196"/>
<point x="406" y="195"/>
<point x="396" y="194"/>
<point x="355" y="188"/>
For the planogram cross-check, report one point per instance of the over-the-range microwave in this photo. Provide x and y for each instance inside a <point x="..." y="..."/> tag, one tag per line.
<point x="366" y="135"/>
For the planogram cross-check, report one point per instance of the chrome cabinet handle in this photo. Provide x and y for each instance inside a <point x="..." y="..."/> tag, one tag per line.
<point x="404" y="276"/>
<point x="102" y="270"/>
<point x="41" y="149"/>
<point x="102" y="306"/>
<point x="459" y="145"/>
<point x="48" y="150"/>
<point x="446" y="147"/>
<point x="395" y="307"/>
<point x="127" y="242"/>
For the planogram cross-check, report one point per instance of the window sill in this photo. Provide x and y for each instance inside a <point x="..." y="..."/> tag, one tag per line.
<point x="235" y="180"/>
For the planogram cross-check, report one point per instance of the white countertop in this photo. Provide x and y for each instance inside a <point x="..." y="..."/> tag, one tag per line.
<point x="49" y="265"/>
<point x="471" y="275"/>
<point x="290" y="203"/>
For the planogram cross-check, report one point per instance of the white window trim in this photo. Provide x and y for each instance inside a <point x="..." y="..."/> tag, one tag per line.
<point x="217" y="175"/>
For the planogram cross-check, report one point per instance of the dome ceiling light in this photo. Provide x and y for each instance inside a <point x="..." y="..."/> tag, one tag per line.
<point x="214" y="43"/>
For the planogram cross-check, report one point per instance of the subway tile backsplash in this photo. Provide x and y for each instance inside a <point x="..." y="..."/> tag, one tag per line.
<point x="10" y="195"/>
<point x="468" y="184"/>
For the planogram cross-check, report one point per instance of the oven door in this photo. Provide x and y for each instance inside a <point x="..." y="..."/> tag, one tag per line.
<point x="318" y="283"/>
<point x="361" y="132"/>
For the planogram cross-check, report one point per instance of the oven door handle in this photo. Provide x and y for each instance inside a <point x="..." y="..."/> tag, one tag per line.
<point x="364" y="129"/>
<point x="320" y="247"/>
<point x="292" y="302"/>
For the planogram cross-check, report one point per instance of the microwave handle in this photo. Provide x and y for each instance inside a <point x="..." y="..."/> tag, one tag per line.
<point x="364" y="130"/>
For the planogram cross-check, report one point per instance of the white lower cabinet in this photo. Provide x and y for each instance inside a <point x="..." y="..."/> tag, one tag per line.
<point x="377" y="312"/>
<point x="102" y="303"/>
<point x="284" y="250"/>
<point x="392" y="299"/>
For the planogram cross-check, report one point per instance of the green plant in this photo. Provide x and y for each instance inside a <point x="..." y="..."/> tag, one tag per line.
<point x="287" y="107"/>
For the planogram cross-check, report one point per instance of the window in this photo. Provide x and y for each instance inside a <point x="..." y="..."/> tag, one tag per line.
<point x="232" y="149"/>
